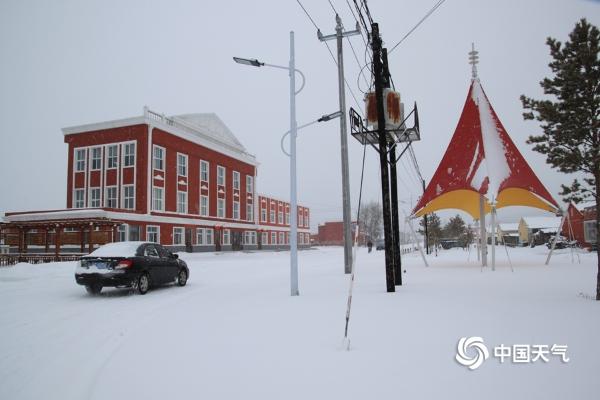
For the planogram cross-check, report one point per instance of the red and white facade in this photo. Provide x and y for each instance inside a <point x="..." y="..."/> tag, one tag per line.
<point x="183" y="181"/>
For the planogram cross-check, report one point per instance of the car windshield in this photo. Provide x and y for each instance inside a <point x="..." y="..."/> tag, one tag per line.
<point x="119" y="249"/>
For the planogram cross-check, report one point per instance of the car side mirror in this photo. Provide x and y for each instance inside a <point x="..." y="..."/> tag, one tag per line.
<point x="175" y="256"/>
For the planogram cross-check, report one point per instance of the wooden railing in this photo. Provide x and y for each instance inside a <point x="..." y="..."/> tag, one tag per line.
<point x="12" y="259"/>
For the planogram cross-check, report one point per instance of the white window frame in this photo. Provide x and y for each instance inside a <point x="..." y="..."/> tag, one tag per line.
<point x="264" y="237"/>
<point x="80" y="162"/>
<point x="272" y="215"/>
<point x="221" y="179"/>
<point x="588" y="229"/>
<point x="281" y="238"/>
<point x="280" y="217"/>
<point x="108" y="197"/>
<point x="249" y="212"/>
<point x="226" y="237"/>
<point x="204" y="209"/>
<point x="221" y="211"/>
<point x="125" y="199"/>
<point x="182" y="168"/>
<point x="306" y="219"/>
<point x="209" y="238"/>
<point x="236" y="209"/>
<point x="203" y="170"/>
<point x="158" y="202"/>
<point x="182" y="206"/>
<point x="157" y="233"/>
<point x="158" y="163"/>
<point x="263" y="214"/>
<point x="79" y="203"/>
<point x="249" y="184"/>
<point x="236" y="180"/>
<point x="178" y="231"/>
<point x="200" y="237"/>
<point x="112" y="160"/>
<point x="287" y="216"/>
<point x="273" y="237"/>
<point x="96" y="159"/>
<point x="95" y="202"/>
<point x="129" y="154"/>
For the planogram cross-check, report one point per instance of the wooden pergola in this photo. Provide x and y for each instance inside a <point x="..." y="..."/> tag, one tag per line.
<point x="84" y="231"/>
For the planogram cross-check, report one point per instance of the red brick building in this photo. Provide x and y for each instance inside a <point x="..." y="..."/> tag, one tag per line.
<point x="332" y="234"/>
<point x="183" y="181"/>
<point x="582" y="225"/>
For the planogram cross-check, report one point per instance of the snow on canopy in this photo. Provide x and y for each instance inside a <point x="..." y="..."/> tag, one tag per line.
<point x="481" y="159"/>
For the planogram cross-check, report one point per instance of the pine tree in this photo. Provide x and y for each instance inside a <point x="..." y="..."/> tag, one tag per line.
<point x="570" y="116"/>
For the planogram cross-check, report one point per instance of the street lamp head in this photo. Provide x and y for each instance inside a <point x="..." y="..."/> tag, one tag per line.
<point x="330" y="116"/>
<point x="248" y="61"/>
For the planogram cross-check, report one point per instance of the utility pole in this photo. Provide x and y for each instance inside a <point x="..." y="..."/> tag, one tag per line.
<point x="393" y="188"/>
<point x="425" y="226"/>
<point x="347" y="214"/>
<point x="383" y="158"/>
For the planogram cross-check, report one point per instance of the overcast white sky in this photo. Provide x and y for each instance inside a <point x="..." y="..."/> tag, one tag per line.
<point x="67" y="63"/>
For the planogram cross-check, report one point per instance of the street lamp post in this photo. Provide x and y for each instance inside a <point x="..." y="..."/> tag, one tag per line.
<point x="293" y="133"/>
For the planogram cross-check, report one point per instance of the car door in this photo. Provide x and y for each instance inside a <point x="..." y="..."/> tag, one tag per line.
<point x="169" y="263"/>
<point x="153" y="263"/>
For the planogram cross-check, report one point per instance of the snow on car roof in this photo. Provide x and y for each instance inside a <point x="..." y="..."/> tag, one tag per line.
<point x="118" y="249"/>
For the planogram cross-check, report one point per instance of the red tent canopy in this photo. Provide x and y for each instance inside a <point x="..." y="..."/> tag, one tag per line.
<point x="481" y="159"/>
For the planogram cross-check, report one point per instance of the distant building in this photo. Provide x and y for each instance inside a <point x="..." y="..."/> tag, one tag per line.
<point x="183" y="181"/>
<point x="537" y="230"/>
<point x="581" y="225"/>
<point x="508" y="233"/>
<point x="332" y="234"/>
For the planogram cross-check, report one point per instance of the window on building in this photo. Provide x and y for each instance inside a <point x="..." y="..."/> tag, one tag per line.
<point x="204" y="205"/>
<point x="221" y="208"/>
<point x="182" y="164"/>
<point x="300" y="219"/>
<point x="129" y="155"/>
<point x="280" y="217"/>
<point x="236" y="210"/>
<point x="236" y="180"/>
<point x="178" y="235"/>
<point x="112" y="156"/>
<point x="94" y="197"/>
<point x="306" y="219"/>
<point x="263" y="215"/>
<point x="78" y="198"/>
<point x="287" y="217"/>
<point x="209" y="235"/>
<point x="204" y="236"/>
<point x="250" y="237"/>
<point x="249" y="212"/>
<point x="129" y="197"/>
<point x="300" y="238"/>
<point x="96" y="158"/>
<point x="80" y="160"/>
<point x="153" y="233"/>
<point x="133" y="233"/>
<point x="226" y="236"/>
<point x="110" y="200"/>
<point x="272" y="214"/>
<point x="249" y="184"/>
<point x="158" y="199"/>
<point x="273" y="238"/>
<point x="220" y="175"/>
<point x="182" y="202"/>
<point x="281" y="238"/>
<point x="264" y="238"/>
<point x="204" y="171"/>
<point x="122" y="232"/>
<point x="200" y="236"/>
<point x="589" y="231"/>
<point x="159" y="158"/>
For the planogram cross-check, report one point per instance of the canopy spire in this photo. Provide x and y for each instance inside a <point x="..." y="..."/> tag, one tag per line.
<point x="473" y="60"/>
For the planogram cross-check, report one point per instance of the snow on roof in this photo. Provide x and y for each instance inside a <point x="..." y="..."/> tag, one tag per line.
<point x="585" y="204"/>
<point x="211" y="125"/>
<point x="117" y="249"/>
<point x="506" y="227"/>
<point x="542" y="222"/>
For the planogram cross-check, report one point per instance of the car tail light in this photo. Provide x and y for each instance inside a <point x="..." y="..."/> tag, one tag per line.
<point x="123" y="264"/>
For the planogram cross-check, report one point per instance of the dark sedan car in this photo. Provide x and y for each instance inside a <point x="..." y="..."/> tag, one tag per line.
<point x="138" y="265"/>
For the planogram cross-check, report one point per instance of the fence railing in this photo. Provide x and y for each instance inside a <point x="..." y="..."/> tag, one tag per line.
<point x="12" y="259"/>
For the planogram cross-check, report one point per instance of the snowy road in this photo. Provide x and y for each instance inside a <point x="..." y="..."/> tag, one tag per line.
<point x="234" y="332"/>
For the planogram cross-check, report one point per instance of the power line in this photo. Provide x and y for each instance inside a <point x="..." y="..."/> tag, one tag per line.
<point x="435" y="7"/>
<point x="308" y="15"/>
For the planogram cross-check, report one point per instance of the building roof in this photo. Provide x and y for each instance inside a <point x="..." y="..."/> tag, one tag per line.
<point x="542" y="222"/>
<point x="507" y="227"/>
<point x="205" y="129"/>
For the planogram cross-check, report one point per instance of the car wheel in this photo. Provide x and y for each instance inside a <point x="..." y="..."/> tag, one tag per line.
<point x="143" y="284"/>
<point x="94" y="289"/>
<point x="182" y="277"/>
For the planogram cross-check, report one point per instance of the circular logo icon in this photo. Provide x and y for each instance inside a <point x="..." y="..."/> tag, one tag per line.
<point x="481" y="352"/>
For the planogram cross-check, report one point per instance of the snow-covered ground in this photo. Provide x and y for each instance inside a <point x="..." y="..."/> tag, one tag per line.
<point x="234" y="332"/>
